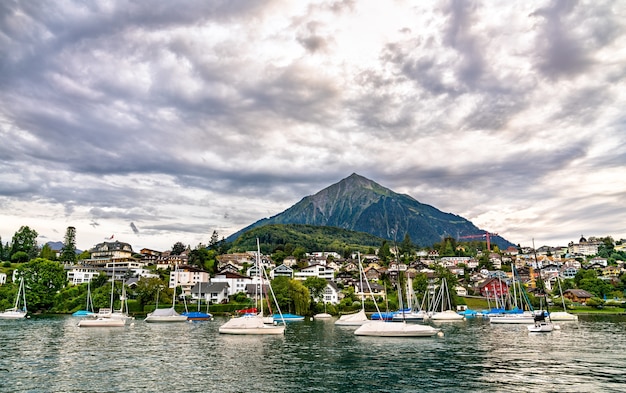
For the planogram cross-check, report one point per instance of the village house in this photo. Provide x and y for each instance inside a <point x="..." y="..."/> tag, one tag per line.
<point x="211" y="292"/>
<point x="236" y="282"/>
<point x="315" y="271"/>
<point x="331" y="294"/>
<point x="577" y="295"/>
<point x="290" y="261"/>
<point x="568" y="272"/>
<point x="167" y="260"/>
<point x="493" y="287"/>
<point x="186" y="277"/>
<point x="373" y="274"/>
<point x="237" y="259"/>
<point x="584" y="247"/>
<point x="345" y="278"/>
<point x="281" y="271"/>
<point x="377" y="290"/>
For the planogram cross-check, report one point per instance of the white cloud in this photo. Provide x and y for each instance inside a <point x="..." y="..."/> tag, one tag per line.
<point x="183" y="120"/>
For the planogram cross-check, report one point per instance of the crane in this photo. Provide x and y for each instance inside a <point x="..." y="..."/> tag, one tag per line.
<point x="487" y="235"/>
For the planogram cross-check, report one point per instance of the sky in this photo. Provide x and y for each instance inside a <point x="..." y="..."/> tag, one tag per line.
<point x="163" y="121"/>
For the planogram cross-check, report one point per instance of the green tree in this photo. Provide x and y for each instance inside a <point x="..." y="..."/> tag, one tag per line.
<point x="178" y="248"/>
<point x="301" y="297"/>
<point x="25" y="240"/>
<point x="384" y="253"/>
<point x="146" y="290"/>
<point x="316" y="287"/>
<point x="214" y="240"/>
<point x="43" y="279"/>
<point x="299" y="253"/>
<point x="47" y="253"/>
<point x="279" y="256"/>
<point x="199" y="256"/>
<point x="407" y="248"/>
<point x="280" y="286"/>
<point x="68" y="252"/>
<point x="19" y="257"/>
<point x="2" y="256"/>
<point x="84" y="255"/>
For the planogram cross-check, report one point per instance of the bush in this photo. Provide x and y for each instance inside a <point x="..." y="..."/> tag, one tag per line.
<point x="595" y="302"/>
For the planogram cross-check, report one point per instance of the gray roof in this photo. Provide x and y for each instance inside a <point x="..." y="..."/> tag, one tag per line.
<point x="208" y="287"/>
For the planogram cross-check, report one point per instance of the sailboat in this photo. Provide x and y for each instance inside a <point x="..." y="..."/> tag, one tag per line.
<point x="541" y="325"/>
<point x="166" y="315"/>
<point x="358" y="318"/>
<point x="322" y="315"/>
<point x="16" y="312"/>
<point x="443" y="299"/>
<point x="411" y="312"/>
<point x="254" y="323"/>
<point x="88" y="311"/>
<point x="103" y="317"/>
<point x="382" y="328"/>
<point x="198" y="315"/>
<point x="562" y="315"/>
<point x="524" y="315"/>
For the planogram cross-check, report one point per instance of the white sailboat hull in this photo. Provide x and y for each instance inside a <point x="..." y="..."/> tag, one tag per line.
<point x="409" y="316"/>
<point x="13" y="314"/>
<point x="447" y="315"/>
<point x="395" y="329"/>
<point x="525" y="318"/>
<point x="356" y="319"/>
<point x="101" y="322"/>
<point x="157" y="319"/>
<point x="165" y="315"/>
<point x="563" y="316"/>
<point x="253" y="325"/>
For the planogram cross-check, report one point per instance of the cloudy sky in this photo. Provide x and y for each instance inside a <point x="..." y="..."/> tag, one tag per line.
<point x="162" y="121"/>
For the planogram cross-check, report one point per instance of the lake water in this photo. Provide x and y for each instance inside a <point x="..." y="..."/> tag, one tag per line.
<point x="51" y="354"/>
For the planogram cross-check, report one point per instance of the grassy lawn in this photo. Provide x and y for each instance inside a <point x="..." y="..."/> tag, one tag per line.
<point x="594" y="310"/>
<point x="477" y="304"/>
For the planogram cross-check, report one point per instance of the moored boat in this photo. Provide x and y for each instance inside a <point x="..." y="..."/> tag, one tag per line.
<point x="287" y="317"/>
<point x="16" y="312"/>
<point x="563" y="316"/>
<point x="165" y="315"/>
<point x="253" y="323"/>
<point x="197" y="316"/>
<point x="101" y="322"/>
<point x="395" y="329"/>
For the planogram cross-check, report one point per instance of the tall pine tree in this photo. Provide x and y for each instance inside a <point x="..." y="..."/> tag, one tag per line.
<point x="68" y="252"/>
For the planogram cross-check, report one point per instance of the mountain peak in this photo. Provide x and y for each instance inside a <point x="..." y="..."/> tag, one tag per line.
<point x="360" y="204"/>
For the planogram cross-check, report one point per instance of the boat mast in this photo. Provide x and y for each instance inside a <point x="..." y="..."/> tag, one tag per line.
<point x="24" y="294"/>
<point x="361" y="273"/>
<point x="258" y="271"/>
<point x="112" y="286"/>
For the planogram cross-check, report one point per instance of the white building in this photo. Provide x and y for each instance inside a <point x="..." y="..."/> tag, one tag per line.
<point x="186" y="277"/>
<point x="236" y="282"/>
<point x="315" y="271"/>
<point x="332" y="293"/>
<point x="77" y="275"/>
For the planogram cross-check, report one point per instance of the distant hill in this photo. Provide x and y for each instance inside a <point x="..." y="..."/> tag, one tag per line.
<point x="310" y="237"/>
<point x="57" y="246"/>
<point x="359" y="204"/>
